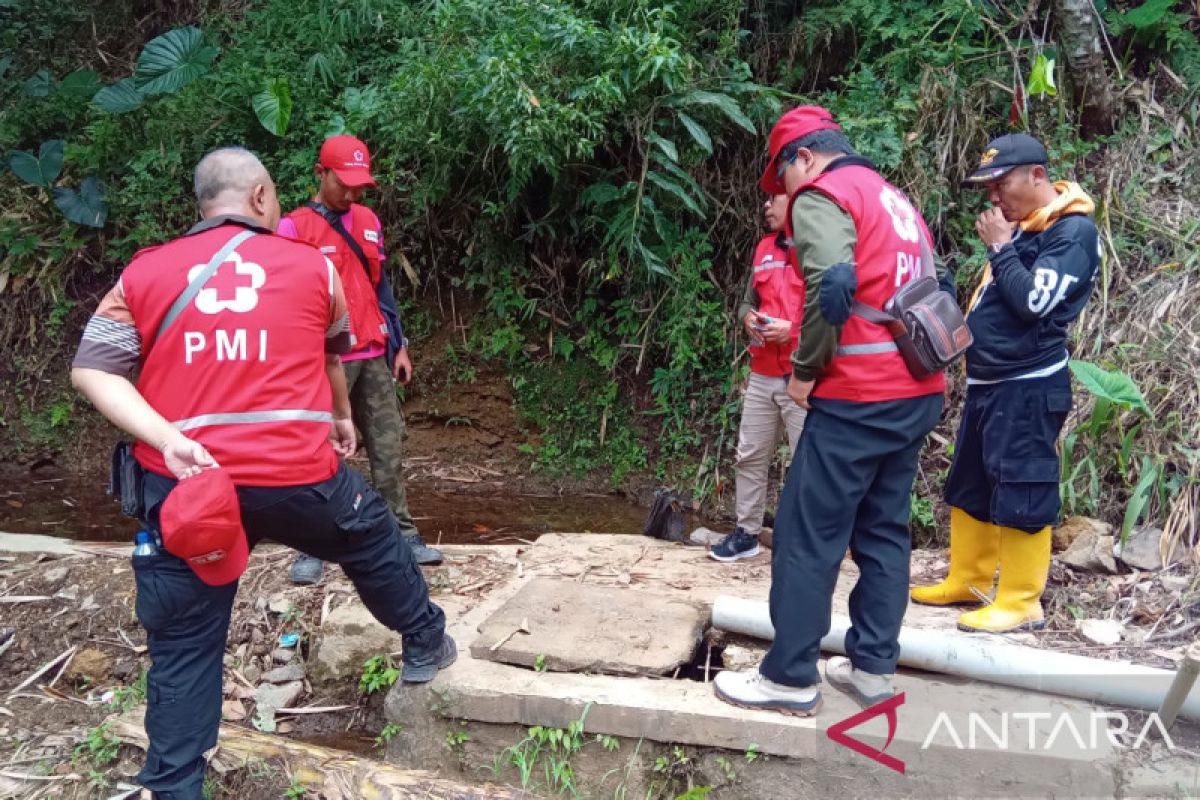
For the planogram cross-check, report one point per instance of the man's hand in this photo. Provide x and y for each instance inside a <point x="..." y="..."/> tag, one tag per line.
<point x="993" y="228"/>
<point x="341" y="436"/>
<point x="186" y="457"/>
<point x="402" y="368"/>
<point x="799" y="391"/>
<point x="779" y="331"/>
<point x="752" y="333"/>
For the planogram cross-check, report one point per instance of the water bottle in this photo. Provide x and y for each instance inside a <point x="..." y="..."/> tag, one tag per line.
<point x="143" y="545"/>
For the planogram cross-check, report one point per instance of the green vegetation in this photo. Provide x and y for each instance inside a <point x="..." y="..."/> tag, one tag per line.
<point x="554" y="749"/>
<point x="386" y="735"/>
<point x="378" y="674"/>
<point x="99" y="747"/>
<point x="582" y="175"/>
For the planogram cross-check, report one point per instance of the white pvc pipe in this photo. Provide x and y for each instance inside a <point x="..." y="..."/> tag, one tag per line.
<point x="984" y="658"/>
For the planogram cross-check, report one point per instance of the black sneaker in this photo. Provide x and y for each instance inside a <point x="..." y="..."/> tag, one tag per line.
<point x="738" y="544"/>
<point x="421" y="664"/>
<point x="306" y="570"/>
<point x="424" y="554"/>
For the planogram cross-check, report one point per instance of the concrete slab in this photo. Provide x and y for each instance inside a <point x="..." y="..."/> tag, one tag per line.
<point x="642" y="565"/>
<point x="986" y="739"/>
<point x="595" y="629"/>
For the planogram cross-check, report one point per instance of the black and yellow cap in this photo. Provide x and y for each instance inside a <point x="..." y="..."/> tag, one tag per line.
<point x="1004" y="154"/>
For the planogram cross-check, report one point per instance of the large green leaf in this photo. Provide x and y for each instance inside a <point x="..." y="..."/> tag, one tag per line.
<point x="40" y="170"/>
<point x="81" y="83"/>
<point x="1139" y="500"/>
<point x="273" y="106"/>
<point x="697" y="131"/>
<point x="120" y="97"/>
<point x="1115" y="387"/>
<point x="38" y="84"/>
<point x="336" y="126"/>
<point x="1148" y="14"/>
<point x="1041" y="77"/>
<point x="666" y="145"/>
<point x="173" y="60"/>
<point x="722" y="102"/>
<point x="85" y="207"/>
<point x="668" y="185"/>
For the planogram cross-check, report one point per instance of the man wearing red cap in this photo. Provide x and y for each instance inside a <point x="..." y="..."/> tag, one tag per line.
<point x="856" y="238"/>
<point x="351" y="236"/>
<point x="240" y="413"/>
<point x="770" y="312"/>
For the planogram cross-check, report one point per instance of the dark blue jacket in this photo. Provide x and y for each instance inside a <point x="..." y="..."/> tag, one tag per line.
<point x="1040" y="283"/>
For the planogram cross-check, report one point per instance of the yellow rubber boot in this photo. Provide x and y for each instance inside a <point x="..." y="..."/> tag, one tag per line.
<point x="1024" y="564"/>
<point x="974" y="552"/>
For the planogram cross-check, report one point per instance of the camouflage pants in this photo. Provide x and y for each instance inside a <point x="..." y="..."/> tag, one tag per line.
<point x="377" y="415"/>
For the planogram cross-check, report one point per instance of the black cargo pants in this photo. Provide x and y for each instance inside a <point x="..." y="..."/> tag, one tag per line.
<point x="1006" y="466"/>
<point x="849" y="485"/>
<point x="341" y="520"/>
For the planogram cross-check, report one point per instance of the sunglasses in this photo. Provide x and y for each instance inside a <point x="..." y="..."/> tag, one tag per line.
<point x="781" y="163"/>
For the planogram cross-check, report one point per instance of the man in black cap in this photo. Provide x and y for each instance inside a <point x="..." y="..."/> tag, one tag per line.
<point x="1043" y="251"/>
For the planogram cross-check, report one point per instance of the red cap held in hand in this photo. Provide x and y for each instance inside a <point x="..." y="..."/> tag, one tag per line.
<point x="201" y="523"/>
<point x="799" y="122"/>
<point x="349" y="159"/>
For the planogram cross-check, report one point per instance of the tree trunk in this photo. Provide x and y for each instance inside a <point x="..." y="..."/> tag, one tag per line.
<point x="337" y="775"/>
<point x="1080" y="34"/>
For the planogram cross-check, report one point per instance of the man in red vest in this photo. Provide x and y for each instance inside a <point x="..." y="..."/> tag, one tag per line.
<point x="771" y="309"/>
<point x="237" y="333"/>
<point x="350" y="235"/>
<point x="855" y="237"/>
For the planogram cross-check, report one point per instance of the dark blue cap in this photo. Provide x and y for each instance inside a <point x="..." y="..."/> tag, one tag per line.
<point x="1005" y="153"/>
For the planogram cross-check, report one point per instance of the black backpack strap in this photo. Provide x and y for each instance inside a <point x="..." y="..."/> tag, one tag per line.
<point x="194" y="287"/>
<point x="335" y="221"/>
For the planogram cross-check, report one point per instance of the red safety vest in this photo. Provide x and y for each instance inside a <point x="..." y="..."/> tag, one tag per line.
<point x="367" y="326"/>
<point x="867" y="366"/>
<point x="241" y="369"/>
<point x="780" y="295"/>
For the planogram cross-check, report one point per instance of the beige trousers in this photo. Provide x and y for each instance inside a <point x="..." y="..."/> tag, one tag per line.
<point x="765" y="407"/>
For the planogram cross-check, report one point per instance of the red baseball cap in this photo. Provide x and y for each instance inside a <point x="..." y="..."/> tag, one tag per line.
<point x="201" y="523"/>
<point x="800" y="121"/>
<point x="349" y="159"/>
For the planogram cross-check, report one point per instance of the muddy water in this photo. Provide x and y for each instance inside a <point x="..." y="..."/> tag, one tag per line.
<point x="77" y="507"/>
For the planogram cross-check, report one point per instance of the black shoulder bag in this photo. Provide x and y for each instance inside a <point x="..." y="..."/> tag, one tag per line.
<point x="930" y="330"/>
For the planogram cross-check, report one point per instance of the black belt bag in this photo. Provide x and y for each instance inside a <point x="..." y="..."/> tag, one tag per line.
<point x="125" y="480"/>
<point x="930" y="330"/>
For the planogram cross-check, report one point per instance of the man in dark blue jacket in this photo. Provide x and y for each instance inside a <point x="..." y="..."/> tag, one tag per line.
<point x="1003" y="485"/>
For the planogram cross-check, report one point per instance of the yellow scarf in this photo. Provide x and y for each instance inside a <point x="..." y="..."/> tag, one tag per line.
<point x="1071" y="200"/>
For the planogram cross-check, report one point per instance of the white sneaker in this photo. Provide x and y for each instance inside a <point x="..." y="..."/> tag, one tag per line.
<point x="749" y="689"/>
<point x="865" y="687"/>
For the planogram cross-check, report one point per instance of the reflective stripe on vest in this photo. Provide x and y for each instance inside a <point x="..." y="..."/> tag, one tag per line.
<point x="249" y="417"/>
<point x="866" y="349"/>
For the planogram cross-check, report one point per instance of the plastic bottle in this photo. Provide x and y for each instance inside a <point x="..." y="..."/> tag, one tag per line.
<point x="143" y="545"/>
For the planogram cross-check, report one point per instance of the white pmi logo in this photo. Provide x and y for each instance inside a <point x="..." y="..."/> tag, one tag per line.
<point x="230" y="289"/>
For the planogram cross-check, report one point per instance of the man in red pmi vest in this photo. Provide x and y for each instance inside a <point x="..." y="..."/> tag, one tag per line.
<point x="770" y="311"/>
<point x="855" y="237"/>
<point x="350" y="235"/>
<point x="237" y="333"/>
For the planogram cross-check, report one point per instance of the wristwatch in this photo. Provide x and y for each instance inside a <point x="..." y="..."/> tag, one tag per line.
<point x="995" y="249"/>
